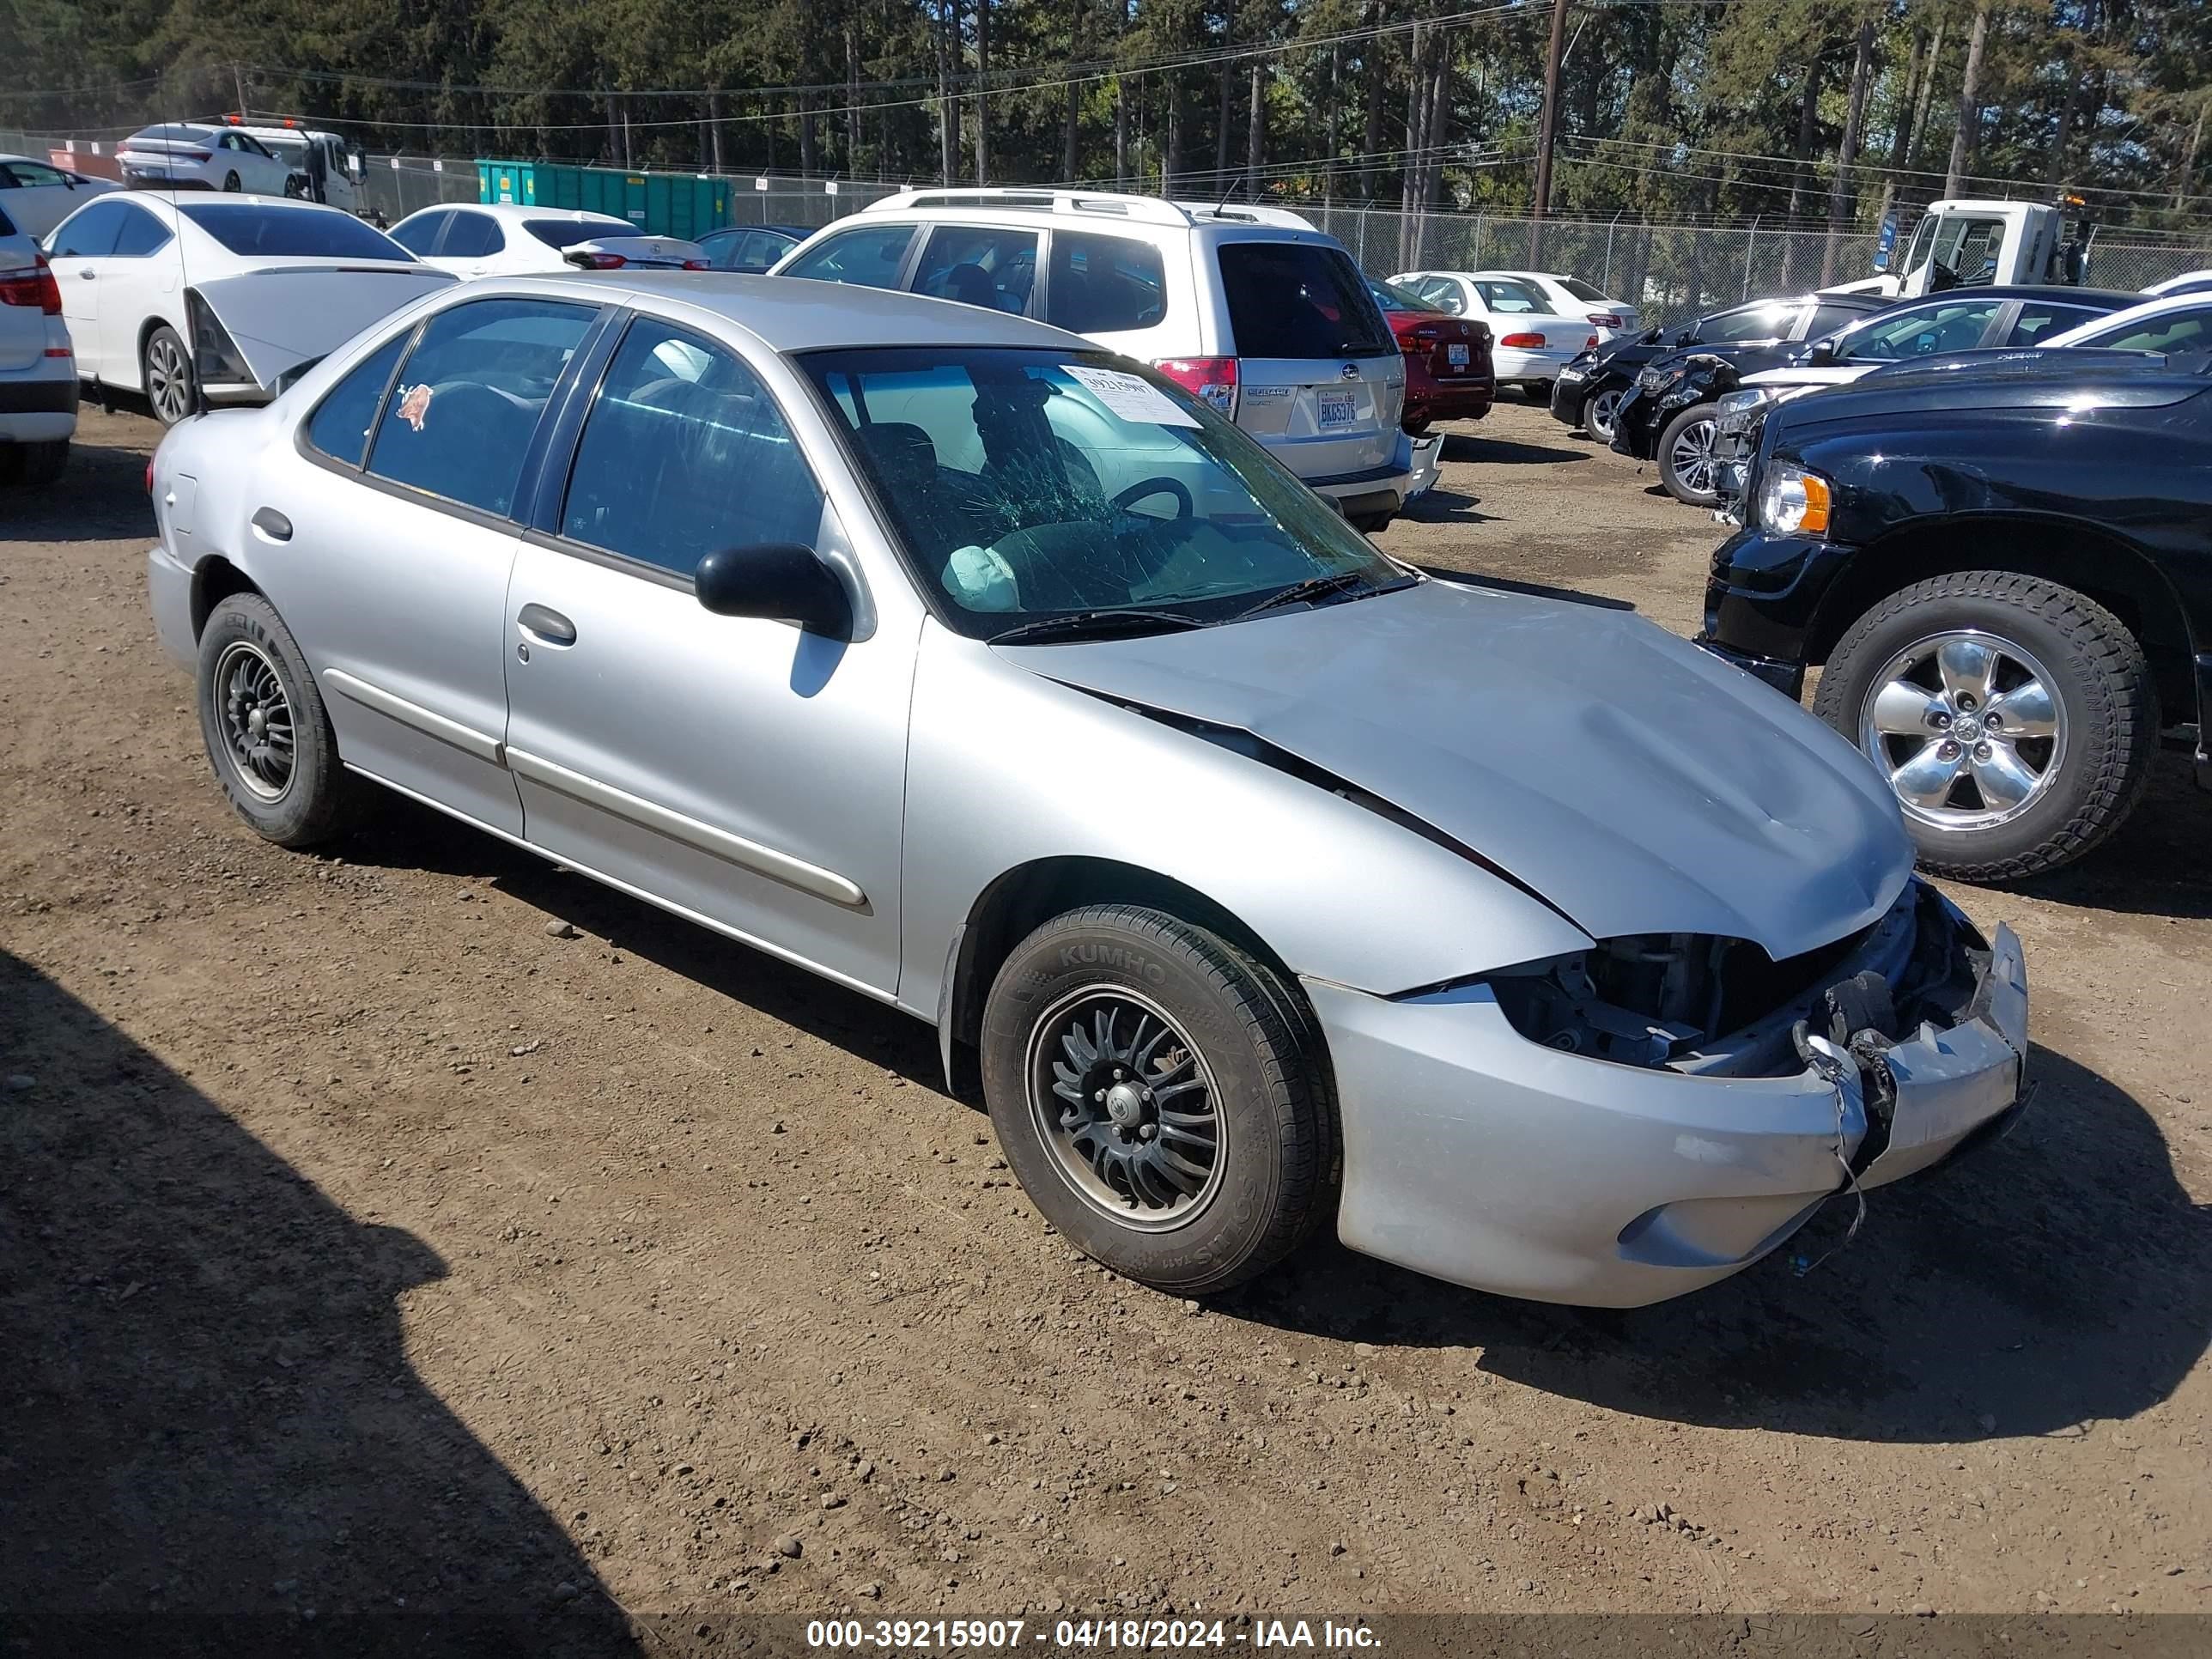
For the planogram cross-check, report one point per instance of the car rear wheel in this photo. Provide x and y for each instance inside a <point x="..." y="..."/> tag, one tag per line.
<point x="166" y="372"/>
<point x="1161" y="1096"/>
<point x="230" y="182"/>
<point x="1598" y="412"/>
<point x="1687" y="467"/>
<point x="268" y="735"/>
<point x="2013" y="718"/>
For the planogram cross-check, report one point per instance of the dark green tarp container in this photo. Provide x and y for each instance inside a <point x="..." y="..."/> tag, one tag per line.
<point x="682" y="205"/>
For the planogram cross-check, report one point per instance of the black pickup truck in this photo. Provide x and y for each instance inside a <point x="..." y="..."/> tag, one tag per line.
<point x="2006" y="566"/>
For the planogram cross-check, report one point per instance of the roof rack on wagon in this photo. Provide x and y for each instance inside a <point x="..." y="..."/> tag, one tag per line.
<point x="1146" y="209"/>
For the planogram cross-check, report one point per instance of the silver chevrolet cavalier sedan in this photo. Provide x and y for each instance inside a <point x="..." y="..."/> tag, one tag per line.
<point x="1265" y="882"/>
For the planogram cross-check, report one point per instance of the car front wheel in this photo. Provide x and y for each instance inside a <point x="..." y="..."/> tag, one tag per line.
<point x="1161" y="1095"/>
<point x="2014" y="718"/>
<point x="268" y="735"/>
<point x="1598" y="412"/>
<point x="1687" y="467"/>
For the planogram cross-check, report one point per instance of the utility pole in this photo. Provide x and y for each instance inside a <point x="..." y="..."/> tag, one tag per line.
<point x="1558" y="50"/>
<point x="238" y="79"/>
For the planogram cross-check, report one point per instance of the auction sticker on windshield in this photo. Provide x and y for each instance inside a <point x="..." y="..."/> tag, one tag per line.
<point x="1339" y="409"/>
<point x="1129" y="398"/>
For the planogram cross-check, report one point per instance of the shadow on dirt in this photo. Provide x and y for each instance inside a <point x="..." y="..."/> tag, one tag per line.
<point x="2155" y="864"/>
<point x="2057" y="1277"/>
<point x="1504" y="451"/>
<point x="1438" y="505"/>
<point x="100" y="497"/>
<point x="212" y="1430"/>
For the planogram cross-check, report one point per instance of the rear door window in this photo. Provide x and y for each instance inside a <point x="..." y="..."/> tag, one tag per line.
<point x="872" y="257"/>
<point x="1826" y="319"/>
<point x="469" y="397"/>
<point x="1764" y="322"/>
<point x="419" y="235"/>
<point x="339" y="427"/>
<point x="1923" y="331"/>
<point x="2039" y="320"/>
<point x="91" y="233"/>
<point x="993" y="269"/>
<point x="1299" y="299"/>
<point x="473" y="236"/>
<point x="1105" y="284"/>
<point x="684" y="452"/>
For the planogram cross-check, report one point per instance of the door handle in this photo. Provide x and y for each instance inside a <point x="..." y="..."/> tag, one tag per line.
<point x="548" y="626"/>
<point x="273" y="524"/>
<point x="87" y="275"/>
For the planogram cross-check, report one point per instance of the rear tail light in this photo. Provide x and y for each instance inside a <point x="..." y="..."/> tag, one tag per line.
<point x="31" y="285"/>
<point x="697" y="265"/>
<point x="1590" y="344"/>
<point x="1523" y="342"/>
<point x="587" y="261"/>
<point x="192" y="156"/>
<point x="149" y="475"/>
<point x="1212" y="379"/>
<point x="1604" y="319"/>
<point x="217" y="360"/>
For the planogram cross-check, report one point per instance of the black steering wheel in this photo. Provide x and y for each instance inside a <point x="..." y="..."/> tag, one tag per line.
<point x="1143" y="486"/>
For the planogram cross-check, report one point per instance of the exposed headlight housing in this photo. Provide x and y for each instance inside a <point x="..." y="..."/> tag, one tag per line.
<point x="1792" y="501"/>
<point x="1734" y="411"/>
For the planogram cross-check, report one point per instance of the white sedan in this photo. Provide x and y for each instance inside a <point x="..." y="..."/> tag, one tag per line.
<point x="1530" y="340"/>
<point x="189" y="155"/>
<point x="505" y="240"/>
<point x="125" y="263"/>
<point x="1571" y="296"/>
<point x="37" y="195"/>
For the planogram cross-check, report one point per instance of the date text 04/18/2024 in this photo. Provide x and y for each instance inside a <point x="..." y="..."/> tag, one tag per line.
<point x="1085" y="1634"/>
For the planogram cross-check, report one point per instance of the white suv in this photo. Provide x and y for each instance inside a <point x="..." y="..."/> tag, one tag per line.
<point x="1250" y="308"/>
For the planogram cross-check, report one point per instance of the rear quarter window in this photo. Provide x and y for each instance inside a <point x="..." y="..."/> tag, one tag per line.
<point x="1299" y="299"/>
<point x="1105" y="284"/>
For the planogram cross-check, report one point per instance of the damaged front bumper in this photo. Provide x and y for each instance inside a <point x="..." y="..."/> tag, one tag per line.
<point x="1477" y="1156"/>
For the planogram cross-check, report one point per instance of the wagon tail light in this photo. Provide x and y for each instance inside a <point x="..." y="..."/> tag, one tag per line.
<point x="217" y="360"/>
<point x="31" y="285"/>
<point x="1212" y="379"/>
<point x="584" y="260"/>
<point x="1523" y="342"/>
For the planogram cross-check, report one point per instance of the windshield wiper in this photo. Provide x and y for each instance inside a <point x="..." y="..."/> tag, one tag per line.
<point x="1094" y="624"/>
<point x="1313" y="587"/>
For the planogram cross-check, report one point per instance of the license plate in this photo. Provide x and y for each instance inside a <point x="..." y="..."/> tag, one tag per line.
<point x="1457" y="356"/>
<point x="1339" y="409"/>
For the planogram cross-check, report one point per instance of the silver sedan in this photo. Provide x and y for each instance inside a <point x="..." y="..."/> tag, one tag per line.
<point x="1265" y="882"/>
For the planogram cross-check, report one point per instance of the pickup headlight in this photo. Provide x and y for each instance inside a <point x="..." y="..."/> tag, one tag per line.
<point x="1793" y="502"/>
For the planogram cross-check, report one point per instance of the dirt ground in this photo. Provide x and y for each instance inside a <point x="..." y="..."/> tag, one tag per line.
<point x="372" y="1259"/>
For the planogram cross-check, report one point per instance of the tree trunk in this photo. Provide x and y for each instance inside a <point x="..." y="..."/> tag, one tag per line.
<point x="1900" y="136"/>
<point x="1964" y="138"/>
<point x="948" y="112"/>
<point x="1070" y="114"/>
<point x="983" y="106"/>
<point x="810" y="156"/>
<point x="1417" y="124"/>
<point x="1370" y="52"/>
<point x="1335" y="145"/>
<point x="2189" y="159"/>
<point x="1918" y="129"/>
<point x="714" y="127"/>
<point x="1255" y="129"/>
<point x="1808" y="135"/>
<point x="1120" y="108"/>
<point x="852" y="98"/>
<point x="1172" y="151"/>
<point x="1847" y="148"/>
<point x="1227" y="117"/>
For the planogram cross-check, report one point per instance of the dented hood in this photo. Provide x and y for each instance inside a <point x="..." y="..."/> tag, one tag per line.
<point x="283" y="315"/>
<point x="1638" y="784"/>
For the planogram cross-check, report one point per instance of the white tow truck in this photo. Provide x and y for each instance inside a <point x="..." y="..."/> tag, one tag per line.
<point x="1961" y="242"/>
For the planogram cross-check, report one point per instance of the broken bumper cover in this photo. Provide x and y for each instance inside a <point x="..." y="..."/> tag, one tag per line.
<point x="1479" y="1157"/>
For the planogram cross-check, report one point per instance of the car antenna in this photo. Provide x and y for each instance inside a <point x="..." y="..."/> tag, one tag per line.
<point x="1226" y="194"/>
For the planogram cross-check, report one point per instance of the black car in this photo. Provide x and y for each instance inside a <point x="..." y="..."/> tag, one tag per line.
<point x="2005" y="564"/>
<point x="1591" y="385"/>
<point x="1908" y="331"/>
<point x="751" y="248"/>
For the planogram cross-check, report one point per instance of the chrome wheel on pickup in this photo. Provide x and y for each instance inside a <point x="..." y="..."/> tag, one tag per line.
<point x="2013" y="719"/>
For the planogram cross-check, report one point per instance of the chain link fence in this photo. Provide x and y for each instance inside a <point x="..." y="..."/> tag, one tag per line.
<point x="1668" y="272"/>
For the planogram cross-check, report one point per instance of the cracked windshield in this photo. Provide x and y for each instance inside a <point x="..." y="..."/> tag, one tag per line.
<point x="1034" y="488"/>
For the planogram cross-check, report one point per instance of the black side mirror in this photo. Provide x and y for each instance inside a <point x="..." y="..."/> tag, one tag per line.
<point x="1823" y="351"/>
<point x="1686" y="337"/>
<point x="779" y="581"/>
